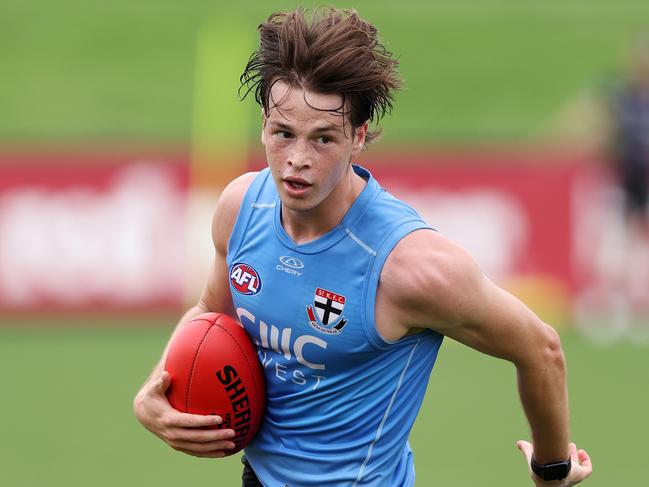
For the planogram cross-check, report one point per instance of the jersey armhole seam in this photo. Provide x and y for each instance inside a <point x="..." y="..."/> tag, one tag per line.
<point x="374" y="272"/>
<point x="245" y="211"/>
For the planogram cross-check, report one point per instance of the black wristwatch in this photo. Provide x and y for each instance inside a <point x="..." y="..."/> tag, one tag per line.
<point x="552" y="471"/>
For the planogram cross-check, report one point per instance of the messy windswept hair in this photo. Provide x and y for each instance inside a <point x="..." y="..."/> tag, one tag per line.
<point x="328" y="51"/>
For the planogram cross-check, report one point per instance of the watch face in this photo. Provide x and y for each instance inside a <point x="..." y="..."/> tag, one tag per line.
<point x="556" y="471"/>
<point x="552" y="471"/>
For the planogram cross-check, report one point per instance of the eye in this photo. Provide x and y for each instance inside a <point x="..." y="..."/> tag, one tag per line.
<point x="283" y="134"/>
<point x="323" y="139"/>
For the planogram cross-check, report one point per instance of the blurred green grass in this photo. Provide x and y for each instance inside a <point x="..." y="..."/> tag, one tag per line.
<point x="79" y="71"/>
<point x="67" y="418"/>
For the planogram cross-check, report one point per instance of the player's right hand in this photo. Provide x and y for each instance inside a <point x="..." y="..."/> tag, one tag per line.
<point x="581" y="466"/>
<point x="193" y="434"/>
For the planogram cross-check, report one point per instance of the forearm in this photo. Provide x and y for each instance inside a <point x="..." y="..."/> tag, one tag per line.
<point x="543" y="390"/>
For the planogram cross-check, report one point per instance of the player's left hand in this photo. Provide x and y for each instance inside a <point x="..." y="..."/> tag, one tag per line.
<point x="581" y="466"/>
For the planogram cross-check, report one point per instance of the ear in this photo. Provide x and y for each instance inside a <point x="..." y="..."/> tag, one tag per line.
<point x="359" y="139"/>
<point x="263" y="126"/>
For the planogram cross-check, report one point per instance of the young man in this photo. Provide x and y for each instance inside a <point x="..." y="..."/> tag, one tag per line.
<point x="346" y="337"/>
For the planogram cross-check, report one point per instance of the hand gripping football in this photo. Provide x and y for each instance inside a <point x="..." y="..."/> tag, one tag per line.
<point x="215" y="369"/>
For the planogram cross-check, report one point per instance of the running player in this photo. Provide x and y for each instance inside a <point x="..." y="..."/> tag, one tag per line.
<point x="349" y="292"/>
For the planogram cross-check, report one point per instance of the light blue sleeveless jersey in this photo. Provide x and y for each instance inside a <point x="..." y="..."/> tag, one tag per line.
<point x="341" y="400"/>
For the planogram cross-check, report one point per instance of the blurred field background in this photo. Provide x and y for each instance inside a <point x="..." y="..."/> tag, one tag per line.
<point x="123" y="76"/>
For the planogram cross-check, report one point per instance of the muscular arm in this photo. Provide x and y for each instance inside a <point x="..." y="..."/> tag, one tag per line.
<point x="185" y="432"/>
<point x="445" y="291"/>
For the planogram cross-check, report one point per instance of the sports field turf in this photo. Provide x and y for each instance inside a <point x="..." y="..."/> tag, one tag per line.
<point x="475" y="69"/>
<point x="67" y="421"/>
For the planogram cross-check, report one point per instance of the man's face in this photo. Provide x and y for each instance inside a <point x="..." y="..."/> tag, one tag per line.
<point x="308" y="148"/>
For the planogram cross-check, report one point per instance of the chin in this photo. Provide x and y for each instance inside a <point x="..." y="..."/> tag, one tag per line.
<point x="297" y="204"/>
<point x="293" y="205"/>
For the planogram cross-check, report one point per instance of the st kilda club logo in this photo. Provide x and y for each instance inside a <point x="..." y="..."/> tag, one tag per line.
<point x="328" y="316"/>
<point x="245" y="279"/>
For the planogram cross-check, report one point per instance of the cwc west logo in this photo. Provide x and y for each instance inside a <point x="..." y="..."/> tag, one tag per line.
<point x="245" y="279"/>
<point x="329" y="310"/>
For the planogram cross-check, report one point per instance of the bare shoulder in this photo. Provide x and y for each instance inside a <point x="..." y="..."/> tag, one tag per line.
<point x="227" y="209"/>
<point x="429" y="281"/>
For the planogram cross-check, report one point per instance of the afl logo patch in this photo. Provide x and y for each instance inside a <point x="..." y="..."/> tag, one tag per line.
<point x="245" y="279"/>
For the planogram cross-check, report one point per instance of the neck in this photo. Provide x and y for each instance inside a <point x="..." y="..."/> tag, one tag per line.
<point x="308" y="225"/>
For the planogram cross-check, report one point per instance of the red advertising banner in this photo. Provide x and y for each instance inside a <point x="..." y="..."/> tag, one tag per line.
<point x="111" y="230"/>
<point x="92" y="230"/>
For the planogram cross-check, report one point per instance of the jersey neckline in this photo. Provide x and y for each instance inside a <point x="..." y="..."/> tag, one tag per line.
<point x="356" y="210"/>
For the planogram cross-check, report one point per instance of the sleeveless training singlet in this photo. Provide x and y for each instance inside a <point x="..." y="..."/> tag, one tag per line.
<point x="340" y="399"/>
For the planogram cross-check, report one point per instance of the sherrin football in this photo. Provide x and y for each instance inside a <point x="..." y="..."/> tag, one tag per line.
<point x="215" y="369"/>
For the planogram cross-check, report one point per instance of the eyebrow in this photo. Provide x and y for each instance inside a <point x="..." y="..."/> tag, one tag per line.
<point x="319" y="130"/>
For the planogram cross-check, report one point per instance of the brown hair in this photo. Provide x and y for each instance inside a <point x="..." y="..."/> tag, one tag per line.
<point x="333" y="51"/>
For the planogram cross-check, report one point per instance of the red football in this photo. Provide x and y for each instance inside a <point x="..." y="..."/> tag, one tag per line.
<point x="215" y="369"/>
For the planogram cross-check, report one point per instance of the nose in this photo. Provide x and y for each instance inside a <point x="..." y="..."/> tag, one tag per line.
<point x="300" y="155"/>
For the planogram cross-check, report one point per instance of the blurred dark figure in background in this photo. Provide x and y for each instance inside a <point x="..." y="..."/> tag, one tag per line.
<point x="609" y="121"/>
<point x="630" y="138"/>
<point x="629" y="155"/>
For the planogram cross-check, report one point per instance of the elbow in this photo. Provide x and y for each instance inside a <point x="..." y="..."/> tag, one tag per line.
<point x="552" y="351"/>
<point x="544" y="352"/>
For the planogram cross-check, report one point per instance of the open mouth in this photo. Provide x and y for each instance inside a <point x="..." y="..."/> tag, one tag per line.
<point x="296" y="184"/>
